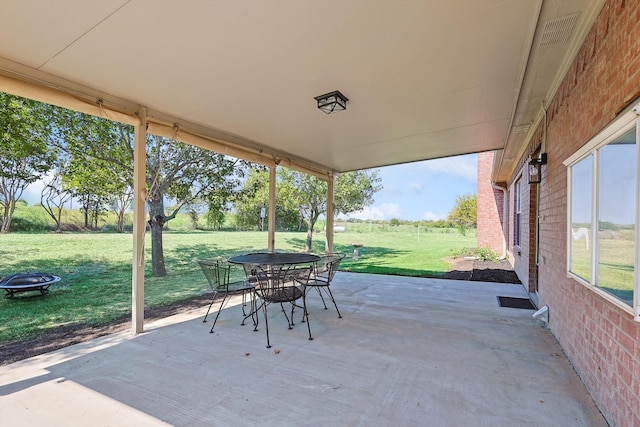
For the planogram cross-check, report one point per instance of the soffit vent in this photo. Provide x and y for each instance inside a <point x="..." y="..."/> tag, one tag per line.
<point x="521" y="128"/>
<point x="558" y="30"/>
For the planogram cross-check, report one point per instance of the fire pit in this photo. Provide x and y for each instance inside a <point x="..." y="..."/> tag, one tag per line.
<point x="26" y="282"/>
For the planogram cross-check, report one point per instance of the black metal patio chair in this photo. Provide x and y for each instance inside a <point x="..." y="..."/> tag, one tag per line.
<point x="281" y="284"/>
<point x="218" y="274"/>
<point x="323" y="273"/>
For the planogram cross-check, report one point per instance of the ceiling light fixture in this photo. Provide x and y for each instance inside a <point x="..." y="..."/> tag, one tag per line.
<point x="332" y="101"/>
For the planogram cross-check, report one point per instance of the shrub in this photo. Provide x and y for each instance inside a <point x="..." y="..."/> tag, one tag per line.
<point x="27" y="224"/>
<point x="482" y="254"/>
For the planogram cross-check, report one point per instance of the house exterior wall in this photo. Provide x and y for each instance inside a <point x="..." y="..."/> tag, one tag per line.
<point x="600" y="338"/>
<point x="520" y="251"/>
<point x="490" y="233"/>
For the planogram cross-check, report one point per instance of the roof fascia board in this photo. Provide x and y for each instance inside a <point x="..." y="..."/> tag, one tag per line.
<point x="582" y="31"/>
<point x="179" y="134"/>
<point x="48" y="95"/>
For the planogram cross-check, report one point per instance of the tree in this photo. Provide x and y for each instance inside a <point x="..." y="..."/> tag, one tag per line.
<point x="119" y="204"/>
<point x="93" y="184"/>
<point x="96" y="181"/>
<point x="353" y="191"/>
<point x="174" y="170"/>
<point x="464" y="212"/>
<point x="183" y="173"/>
<point x="53" y="197"/>
<point x="24" y="155"/>
<point x="255" y="197"/>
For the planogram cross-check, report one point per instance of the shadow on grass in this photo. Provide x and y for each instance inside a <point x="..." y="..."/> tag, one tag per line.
<point x="368" y="259"/>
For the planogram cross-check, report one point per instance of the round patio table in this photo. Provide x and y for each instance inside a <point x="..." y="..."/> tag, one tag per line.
<point x="275" y="258"/>
<point x="277" y="283"/>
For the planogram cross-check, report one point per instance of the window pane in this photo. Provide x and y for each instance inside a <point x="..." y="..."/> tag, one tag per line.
<point x="581" y="205"/>
<point x="616" y="217"/>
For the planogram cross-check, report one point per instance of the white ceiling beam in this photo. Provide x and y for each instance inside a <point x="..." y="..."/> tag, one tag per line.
<point x="63" y="99"/>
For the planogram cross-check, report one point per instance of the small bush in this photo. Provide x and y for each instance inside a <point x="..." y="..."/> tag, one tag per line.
<point x="482" y="254"/>
<point x="486" y="254"/>
<point x="27" y="224"/>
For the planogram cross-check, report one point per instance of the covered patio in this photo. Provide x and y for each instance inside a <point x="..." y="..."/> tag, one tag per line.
<point x="408" y="351"/>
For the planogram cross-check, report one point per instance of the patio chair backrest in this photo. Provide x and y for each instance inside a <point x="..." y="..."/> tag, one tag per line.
<point x="327" y="266"/>
<point x="277" y="283"/>
<point x="217" y="273"/>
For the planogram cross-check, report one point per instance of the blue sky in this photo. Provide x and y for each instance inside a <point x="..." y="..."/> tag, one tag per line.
<point x="413" y="191"/>
<point x="423" y="190"/>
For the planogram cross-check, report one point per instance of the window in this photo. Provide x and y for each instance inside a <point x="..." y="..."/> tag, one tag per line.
<point x="518" y="210"/>
<point x="603" y="216"/>
<point x="581" y="216"/>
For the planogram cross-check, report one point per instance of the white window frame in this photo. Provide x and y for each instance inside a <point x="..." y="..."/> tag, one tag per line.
<point x="518" y="203"/>
<point x="616" y="129"/>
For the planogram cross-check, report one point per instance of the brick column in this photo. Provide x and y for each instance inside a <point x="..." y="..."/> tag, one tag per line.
<point x="490" y="208"/>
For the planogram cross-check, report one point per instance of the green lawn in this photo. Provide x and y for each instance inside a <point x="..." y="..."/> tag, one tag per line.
<point x="96" y="268"/>
<point x="615" y="262"/>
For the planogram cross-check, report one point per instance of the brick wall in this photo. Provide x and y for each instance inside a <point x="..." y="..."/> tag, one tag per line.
<point x="601" y="339"/>
<point x="490" y="208"/>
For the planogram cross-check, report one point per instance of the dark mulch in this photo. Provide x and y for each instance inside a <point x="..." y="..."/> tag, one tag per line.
<point x="494" y="271"/>
<point x="64" y="336"/>
<point x="482" y="271"/>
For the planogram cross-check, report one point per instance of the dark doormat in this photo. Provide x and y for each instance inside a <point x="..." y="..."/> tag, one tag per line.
<point x="516" y="303"/>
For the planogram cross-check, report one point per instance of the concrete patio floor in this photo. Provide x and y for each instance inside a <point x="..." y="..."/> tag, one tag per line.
<point x="407" y="352"/>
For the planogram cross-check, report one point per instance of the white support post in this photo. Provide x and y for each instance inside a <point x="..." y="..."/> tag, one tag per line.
<point x="272" y="208"/>
<point x="330" y="213"/>
<point x="139" y="225"/>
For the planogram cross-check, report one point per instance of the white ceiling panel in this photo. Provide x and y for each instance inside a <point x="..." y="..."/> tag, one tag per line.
<point x="425" y="79"/>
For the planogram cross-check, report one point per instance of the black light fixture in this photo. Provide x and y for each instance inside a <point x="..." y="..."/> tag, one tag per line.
<point x="535" y="168"/>
<point x="332" y="101"/>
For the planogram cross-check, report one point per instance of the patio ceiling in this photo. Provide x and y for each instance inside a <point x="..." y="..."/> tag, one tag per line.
<point x="425" y="79"/>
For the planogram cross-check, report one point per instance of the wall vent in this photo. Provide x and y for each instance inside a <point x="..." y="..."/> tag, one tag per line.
<point x="558" y="30"/>
<point x="522" y="128"/>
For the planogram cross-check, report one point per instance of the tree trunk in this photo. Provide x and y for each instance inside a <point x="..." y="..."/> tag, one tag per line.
<point x="120" y="225"/>
<point x="156" y="223"/>
<point x="7" y="214"/>
<point x="312" y="222"/>
<point x="6" y="221"/>
<point x="309" y="241"/>
<point x="85" y="208"/>
<point x="59" y="221"/>
<point x="95" y="214"/>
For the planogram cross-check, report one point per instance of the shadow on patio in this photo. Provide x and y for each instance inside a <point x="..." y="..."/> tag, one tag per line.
<point x="408" y="351"/>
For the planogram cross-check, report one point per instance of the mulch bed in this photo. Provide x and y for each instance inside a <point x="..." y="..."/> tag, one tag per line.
<point x="64" y="336"/>
<point x="482" y="271"/>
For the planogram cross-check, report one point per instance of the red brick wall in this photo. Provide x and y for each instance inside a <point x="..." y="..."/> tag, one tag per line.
<point x="490" y="208"/>
<point x="601" y="339"/>
<point x="523" y="256"/>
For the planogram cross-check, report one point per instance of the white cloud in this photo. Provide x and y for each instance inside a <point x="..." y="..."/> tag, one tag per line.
<point x="465" y="167"/>
<point x="33" y="191"/>
<point x="384" y="211"/>
<point x="430" y="216"/>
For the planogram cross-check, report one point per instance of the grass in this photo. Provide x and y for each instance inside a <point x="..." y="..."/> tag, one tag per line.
<point x="615" y="268"/>
<point x="96" y="268"/>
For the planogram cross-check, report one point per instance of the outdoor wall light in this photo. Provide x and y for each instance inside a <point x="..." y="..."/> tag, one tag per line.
<point x="332" y="101"/>
<point x="535" y="168"/>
